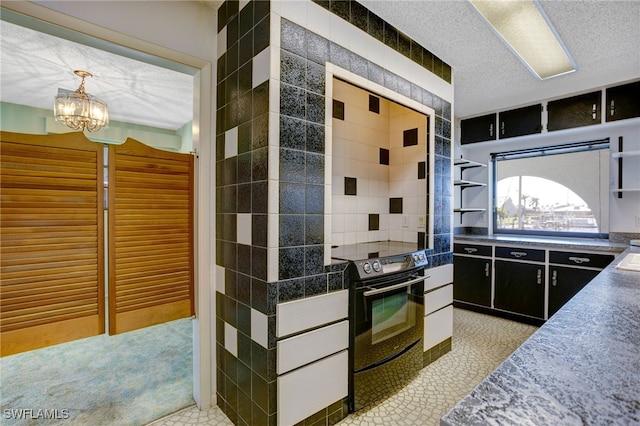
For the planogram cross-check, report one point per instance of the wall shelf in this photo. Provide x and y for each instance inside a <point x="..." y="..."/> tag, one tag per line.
<point x="626" y="154"/>
<point x="461" y="183"/>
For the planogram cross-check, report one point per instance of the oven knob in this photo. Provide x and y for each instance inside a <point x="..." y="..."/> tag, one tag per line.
<point x="367" y="267"/>
<point x="376" y="266"/>
<point x="416" y="258"/>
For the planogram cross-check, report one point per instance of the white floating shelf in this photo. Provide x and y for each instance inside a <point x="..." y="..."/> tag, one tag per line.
<point x="466" y="164"/>
<point x="626" y="154"/>
<point x="467" y="183"/>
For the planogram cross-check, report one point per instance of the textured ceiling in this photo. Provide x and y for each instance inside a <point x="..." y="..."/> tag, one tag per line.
<point x="603" y="38"/>
<point x="35" y="65"/>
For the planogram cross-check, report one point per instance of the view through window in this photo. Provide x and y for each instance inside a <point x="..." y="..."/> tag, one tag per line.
<point x="553" y="190"/>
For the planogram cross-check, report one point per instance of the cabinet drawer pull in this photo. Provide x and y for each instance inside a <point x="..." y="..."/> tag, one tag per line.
<point x="580" y="260"/>
<point x="470" y="250"/>
<point x="491" y="129"/>
<point x="518" y="254"/>
<point x="539" y="278"/>
<point x="486" y="269"/>
<point x="554" y="278"/>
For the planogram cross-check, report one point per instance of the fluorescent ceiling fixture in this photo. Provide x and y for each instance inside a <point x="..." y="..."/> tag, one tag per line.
<point x="525" y="28"/>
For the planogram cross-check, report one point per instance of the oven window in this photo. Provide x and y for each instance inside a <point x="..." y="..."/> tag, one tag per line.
<point x="391" y="315"/>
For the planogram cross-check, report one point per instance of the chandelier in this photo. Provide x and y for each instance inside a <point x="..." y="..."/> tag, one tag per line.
<point x="80" y="110"/>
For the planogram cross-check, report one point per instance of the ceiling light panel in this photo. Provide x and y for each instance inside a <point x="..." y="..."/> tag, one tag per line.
<point x="525" y="28"/>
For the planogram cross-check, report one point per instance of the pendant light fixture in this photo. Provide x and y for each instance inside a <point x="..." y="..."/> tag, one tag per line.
<point x="79" y="110"/>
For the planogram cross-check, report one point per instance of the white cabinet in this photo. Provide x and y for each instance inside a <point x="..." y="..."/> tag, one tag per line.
<point x="299" y="315"/>
<point x="438" y="308"/>
<point x="307" y="390"/>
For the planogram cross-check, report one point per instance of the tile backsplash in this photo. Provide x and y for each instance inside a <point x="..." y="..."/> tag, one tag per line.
<point x="379" y="152"/>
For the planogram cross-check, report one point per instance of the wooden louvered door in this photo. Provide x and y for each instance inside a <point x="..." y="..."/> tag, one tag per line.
<point x="51" y="224"/>
<point x="150" y="236"/>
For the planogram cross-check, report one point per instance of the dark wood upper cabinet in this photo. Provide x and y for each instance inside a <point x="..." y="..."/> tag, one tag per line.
<point x="478" y="129"/>
<point x="520" y="121"/>
<point x="576" y="111"/>
<point x="623" y="102"/>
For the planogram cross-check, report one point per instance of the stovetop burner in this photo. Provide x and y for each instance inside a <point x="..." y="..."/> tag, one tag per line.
<point x="379" y="258"/>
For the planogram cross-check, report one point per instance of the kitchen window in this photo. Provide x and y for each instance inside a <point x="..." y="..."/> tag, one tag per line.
<point x="559" y="190"/>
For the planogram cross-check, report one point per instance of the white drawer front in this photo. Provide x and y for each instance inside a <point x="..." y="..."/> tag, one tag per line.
<point x="305" y="348"/>
<point x="439" y="276"/>
<point x="303" y="392"/>
<point x="438" y="299"/>
<point x="299" y="315"/>
<point x="438" y="326"/>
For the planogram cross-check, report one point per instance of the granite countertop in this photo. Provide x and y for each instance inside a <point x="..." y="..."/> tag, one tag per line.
<point x="552" y="242"/>
<point x="581" y="367"/>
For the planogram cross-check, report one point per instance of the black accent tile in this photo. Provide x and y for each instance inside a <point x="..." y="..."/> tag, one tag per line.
<point x="261" y="99"/>
<point x="291" y="262"/>
<point x="260" y="132"/>
<point x="230" y="283"/>
<point x="246" y="18"/>
<point x="233" y="31"/>
<point x="244" y="137"/>
<point x="404" y="44"/>
<point x="317" y="48"/>
<point x="261" y="35"/>
<point x="314" y="285"/>
<point x="416" y="52"/>
<point x="374" y="222"/>
<point x="315" y="168"/>
<point x="338" y="109"/>
<point x="230" y="311"/>
<point x="244" y="319"/>
<point x="245" y="78"/>
<point x="374" y="104"/>
<point x="314" y="263"/>
<point x="422" y="169"/>
<point x="259" y="230"/>
<point x="260" y="10"/>
<point x="259" y="262"/>
<point x="313" y="229"/>
<point x="422" y="240"/>
<point x="292" y="198"/>
<point x="259" y="197"/>
<point x="314" y="199"/>
<point x="264" y="296"/>
<point x="292" y="101"/>
<point x="292" y="133"/>
<point x="315" y="80"/>
<point x="244" y="351"/>
<point x="259" y="164"/>
<point x="290" y="290"/>
<point x="395" y="205"/>
<point x="350" y="186"/>
<point x="243" y="289"/>
<point x="244" y="259"/>
<point x="315" y="139"/>
<point x="335" y="281"/>
<point x="222" y="16"/>
<point x="410" y="137"/>
<point x="292" y="228"/>
<point x="245" y="108"/>
<point x="390" y="36"/>
<point x="384" y="156"/>
<point x="315" y="108"/>
<point x="243" y="167"/>
<point x="339" y="56"/>
<point x="341" y="8"/>
<point x="293" y="37"/>
<point x="293" y="69"/>
<point x="292" y="165"/>
<point x="359" y="16"/>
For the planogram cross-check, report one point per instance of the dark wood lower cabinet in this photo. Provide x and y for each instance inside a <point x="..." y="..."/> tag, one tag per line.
<point x="519" y="288"/>
<point x="564" y="283"/>
<point x="472" y="280"/>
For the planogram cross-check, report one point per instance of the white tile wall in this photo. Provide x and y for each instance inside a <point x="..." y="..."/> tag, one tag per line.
<point x="356" y="153"/>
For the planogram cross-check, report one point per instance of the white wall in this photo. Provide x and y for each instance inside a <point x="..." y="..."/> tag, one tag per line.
<point x="622" y="211"/>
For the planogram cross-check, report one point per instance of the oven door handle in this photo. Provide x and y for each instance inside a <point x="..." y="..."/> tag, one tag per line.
<point x="393" y="287"/>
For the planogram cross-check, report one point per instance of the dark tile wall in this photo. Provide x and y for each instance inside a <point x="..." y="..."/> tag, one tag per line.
<point x="247" y="380"/>
<point x="300" y="273"/>
<point x="358" y="15"/>
<point x="246" y="390"/>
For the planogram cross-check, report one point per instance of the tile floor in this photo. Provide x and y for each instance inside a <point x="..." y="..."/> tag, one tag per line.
<point x="480" y="344"/>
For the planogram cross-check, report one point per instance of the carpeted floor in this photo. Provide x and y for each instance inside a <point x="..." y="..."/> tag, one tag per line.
<point x="126" y="379"/>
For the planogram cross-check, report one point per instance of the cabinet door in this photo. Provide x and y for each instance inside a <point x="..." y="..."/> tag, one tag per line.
<point x="576" y="111"/>
<point x="564" y="283"/>
<point x="623" y="102"/>
<point x="520" y="122"/>
<point x="472" y="280"/>
<point x="478" y="129"/>
<point x="519" y="288"/>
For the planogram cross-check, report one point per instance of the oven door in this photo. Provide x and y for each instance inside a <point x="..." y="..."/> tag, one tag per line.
<point x="389" y="318"/>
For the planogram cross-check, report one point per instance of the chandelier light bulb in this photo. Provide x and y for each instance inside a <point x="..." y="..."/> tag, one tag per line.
<point x="79" y="110"/>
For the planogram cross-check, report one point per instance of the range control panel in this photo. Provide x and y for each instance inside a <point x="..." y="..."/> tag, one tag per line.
<point x="375" y="267"/>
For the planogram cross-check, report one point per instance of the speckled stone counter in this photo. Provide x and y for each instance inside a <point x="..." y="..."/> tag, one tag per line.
<point x="582" y="367"/>
<point x="552" y="242"/>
